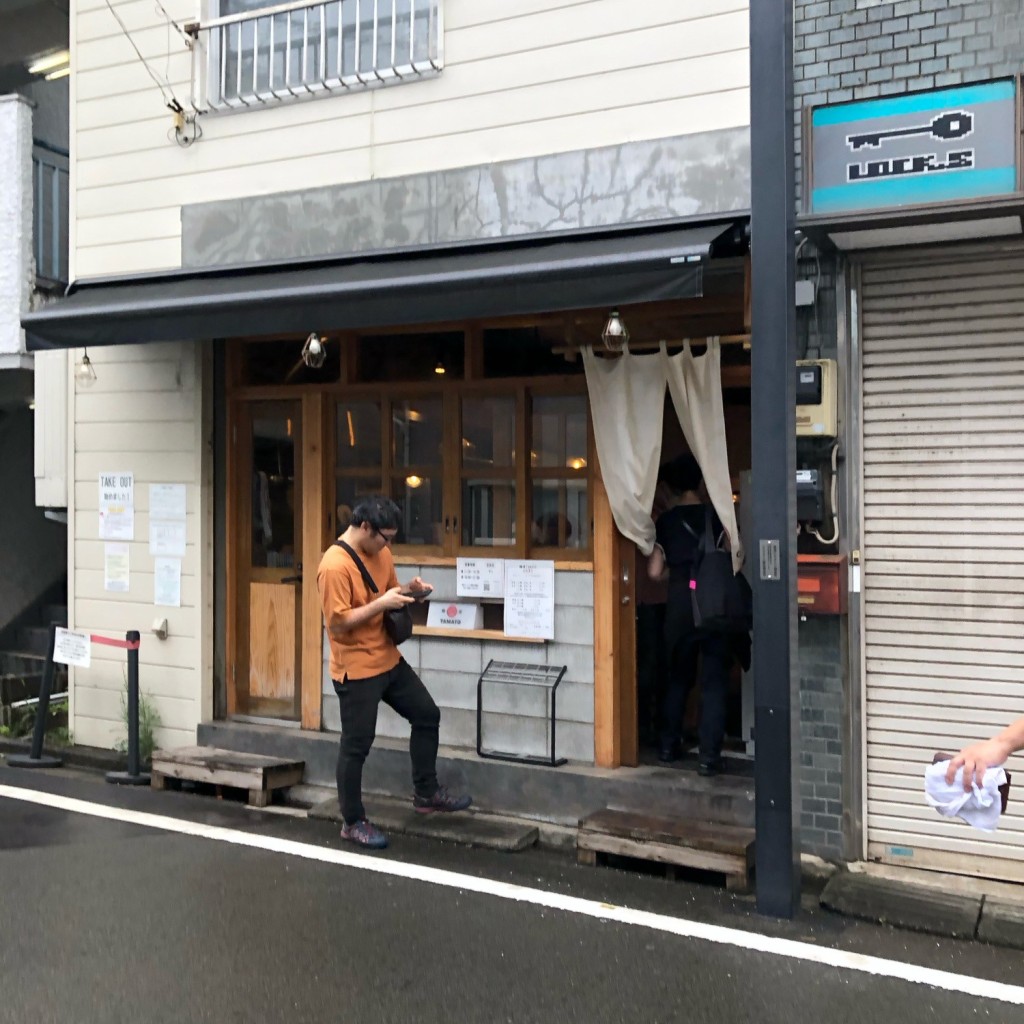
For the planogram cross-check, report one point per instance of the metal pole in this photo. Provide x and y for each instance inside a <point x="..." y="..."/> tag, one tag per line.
<point x="36" y="759"/>
<point x="132" y="777"/>
<point x="773" y="450"/>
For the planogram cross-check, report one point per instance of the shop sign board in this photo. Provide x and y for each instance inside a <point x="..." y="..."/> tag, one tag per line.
<point x="918" y="149"/>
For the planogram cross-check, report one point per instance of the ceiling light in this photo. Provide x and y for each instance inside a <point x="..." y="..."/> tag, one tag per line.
<point x="314" y="352"/>
<point x="576" y="463"/>
<point x="615" y="335"/>
<point x="413" y="481"/>
<point x="439" y="369"/>
<point x="51" y="62"/>
<point x="85" y="374"/>
<point x="54" y="75"/>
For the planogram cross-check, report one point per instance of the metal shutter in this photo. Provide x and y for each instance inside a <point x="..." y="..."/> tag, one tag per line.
<point x="943" y="538"/>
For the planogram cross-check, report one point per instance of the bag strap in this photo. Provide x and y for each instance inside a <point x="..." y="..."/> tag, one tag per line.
<point x="367" y="578"/>
<point x="691" y="531"/>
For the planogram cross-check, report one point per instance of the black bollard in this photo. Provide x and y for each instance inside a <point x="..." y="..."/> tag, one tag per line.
<point x="37" y="759"/>
<point x="132" y="777"/>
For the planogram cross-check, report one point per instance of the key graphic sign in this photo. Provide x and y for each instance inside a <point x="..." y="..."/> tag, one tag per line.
<point x="923" y="148"/>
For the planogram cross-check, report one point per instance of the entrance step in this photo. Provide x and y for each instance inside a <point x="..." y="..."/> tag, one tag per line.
<point x="463" y="827"/>
<point x="704" y="846"/>
<point x="258" y="774"/>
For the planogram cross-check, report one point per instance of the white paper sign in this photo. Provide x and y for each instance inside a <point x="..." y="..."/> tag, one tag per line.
<point x="167" y="582"/>
<point x="115" y="568"/>
<point x="455" y="615"/>
<point x="72" y="648"/>
<point x="480" y="577"/>
<point x="167" y="538"/>
<point x="166" y="501"/>
<point x="117" y="506"/>
<point x="530" y="599"/>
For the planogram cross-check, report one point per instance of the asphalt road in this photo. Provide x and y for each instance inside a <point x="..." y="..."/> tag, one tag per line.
<point x="107" y="921"/>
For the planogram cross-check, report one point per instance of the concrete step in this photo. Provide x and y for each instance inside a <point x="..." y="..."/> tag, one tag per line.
<point x="561" y="796"/>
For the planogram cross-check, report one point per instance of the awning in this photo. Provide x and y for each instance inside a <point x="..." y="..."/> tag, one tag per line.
<point x="384" y="290"/>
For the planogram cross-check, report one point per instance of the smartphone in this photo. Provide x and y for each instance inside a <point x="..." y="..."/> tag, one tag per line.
<point x="418" y="594"/>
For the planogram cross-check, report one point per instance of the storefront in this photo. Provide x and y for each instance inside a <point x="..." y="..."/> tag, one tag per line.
<point x="922" y="195"/>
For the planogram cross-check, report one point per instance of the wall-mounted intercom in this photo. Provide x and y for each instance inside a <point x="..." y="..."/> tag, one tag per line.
<point x="817" y="394"/>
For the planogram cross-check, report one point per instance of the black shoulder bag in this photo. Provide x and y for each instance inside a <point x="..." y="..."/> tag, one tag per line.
<point x="722" y="601"/>
<point x="397" y="621"/>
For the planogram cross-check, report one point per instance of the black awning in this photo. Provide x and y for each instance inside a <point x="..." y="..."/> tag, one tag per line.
<point x="388" y="290"/>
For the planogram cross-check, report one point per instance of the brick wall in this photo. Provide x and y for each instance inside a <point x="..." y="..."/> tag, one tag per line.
<point x="859" y="49"/>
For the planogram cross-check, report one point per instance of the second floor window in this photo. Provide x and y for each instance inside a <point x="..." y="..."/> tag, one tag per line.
<point x="259" y="53"/>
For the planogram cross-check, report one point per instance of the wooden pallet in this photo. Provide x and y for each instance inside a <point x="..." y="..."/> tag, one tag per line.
<point x="255" y="773"/>
<point x="705" y="846"/>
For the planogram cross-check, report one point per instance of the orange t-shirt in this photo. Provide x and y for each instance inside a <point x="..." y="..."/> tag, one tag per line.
<point x="366" y="650"/>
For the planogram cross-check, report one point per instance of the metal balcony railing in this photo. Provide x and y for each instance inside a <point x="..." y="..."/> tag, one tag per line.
<point x="50" y="214"/>
<point x="251" y="58"/>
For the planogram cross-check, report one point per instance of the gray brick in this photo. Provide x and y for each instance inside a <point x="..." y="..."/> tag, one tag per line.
<point x="816" y="10"/>
<point x="826" y="822"/>
<point x="894" y="88"/>
<point x="867" y="92"/>
<point x="869" y="31"/>
<point x="840" y="95"/>
<point x="854" y="78"/>
<point x="854" y="18"/>
<point x="911" y="70"/>
<point x="894" y="25"/>
<point x="829" y="23"/>
<point x="894" y="57"/>
<point x="948" y="48"/>
<point x="839" y="67"/>
<point x="829" y="52"/>
<point x="868" y="61"/>
<point x="921" y="52"/>
<point x="844" y="6"/>
<point x="878" y="14"/>
<point x="922" y="20"/>
<point x="962" y="61"/>
<point x="912" y="38"/>
<point x="935" y="35"/>
<point x="880" y="45"/>
<point x="949" y="16"/>
<point x="816" y="39"/>
<point x="976" y="43"/>
<point x="842" y="35"/>
<point x="933" y="67"/>
<point x="978" y="11"/>
<point x="924" y="82"/>
<point x="962" y="30"/>
<point x="816" y="70"/>
<point x="830" y="82"/>
<point x="855" y="49"/>
<point x="934" y="5"/>
<point x="907" y="7"/>
<point x="990" y="57"/>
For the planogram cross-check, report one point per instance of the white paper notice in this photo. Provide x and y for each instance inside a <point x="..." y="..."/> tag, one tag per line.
<point x="72" y="648"/>
<point x="530" y="599"/>
<point x="115" y="568"/>
<point x="117" y="506"/>
<point x="166" y="501"/>
<point x="480" y="577"/>
<point x="167" y="538"/>
<point x="167" y="582"/>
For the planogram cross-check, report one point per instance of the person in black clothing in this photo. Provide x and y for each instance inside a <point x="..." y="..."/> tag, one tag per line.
<point x="678" y="531"/>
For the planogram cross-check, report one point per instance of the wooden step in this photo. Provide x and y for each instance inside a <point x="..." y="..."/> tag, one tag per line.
<point x="257" y="774"/>
<point x="705" y="846"/>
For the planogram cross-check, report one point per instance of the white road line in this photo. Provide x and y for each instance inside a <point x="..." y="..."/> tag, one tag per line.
<point x="745" y="940"/>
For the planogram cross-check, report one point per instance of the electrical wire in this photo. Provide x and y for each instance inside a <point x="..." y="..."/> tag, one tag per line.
<point x="165" y="86"/>
<point x="177" y="28"/>
<point x="833" y="493"/>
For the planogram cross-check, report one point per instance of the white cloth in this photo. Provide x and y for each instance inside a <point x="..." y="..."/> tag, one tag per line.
<point x="980" y="807"/>
<point x="695" y="384"/>
<point x="627" y="401"/>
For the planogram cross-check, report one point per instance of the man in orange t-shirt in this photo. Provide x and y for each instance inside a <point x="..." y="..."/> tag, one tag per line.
<point x="367" y="668"/>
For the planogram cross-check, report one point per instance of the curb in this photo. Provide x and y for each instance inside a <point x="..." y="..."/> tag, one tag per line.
<point x="81" y="757"/>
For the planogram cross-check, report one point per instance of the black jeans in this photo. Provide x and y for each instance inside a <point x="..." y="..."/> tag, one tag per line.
<point x="402" y="690"/>
<point x="683" y="643"/>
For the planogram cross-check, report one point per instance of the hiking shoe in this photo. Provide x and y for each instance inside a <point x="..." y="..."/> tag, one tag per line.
<point x="364" y="834"/>
<point x="442" y="800"/>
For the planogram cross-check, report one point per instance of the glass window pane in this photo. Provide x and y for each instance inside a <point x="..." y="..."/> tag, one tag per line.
<point x="273" y="492"/>
<point x="419" y="498"/>
<point x="488" y="513"/>
<point x="488" y="432"/>
<point x="358" y="426"/>
<point x="560" y="517"/>
<point x="559" y="432"/>
<point x="417" y="430"/>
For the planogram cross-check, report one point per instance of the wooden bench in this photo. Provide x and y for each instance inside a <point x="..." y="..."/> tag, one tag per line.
<point x="255" y="773"/>
<point x="705" y="846"/>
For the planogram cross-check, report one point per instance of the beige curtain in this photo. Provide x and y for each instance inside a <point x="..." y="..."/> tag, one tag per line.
<point x="627" y="397"/>
<point x="695" y="384"/>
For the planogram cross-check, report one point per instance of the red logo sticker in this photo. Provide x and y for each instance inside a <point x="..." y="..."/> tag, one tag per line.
<point x="452" y="611"/>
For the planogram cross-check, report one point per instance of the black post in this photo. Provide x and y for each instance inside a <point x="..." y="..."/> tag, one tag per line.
<point x="132" y="777"/>
<point x="36" y="758"/>
<point x="773" y="449"/>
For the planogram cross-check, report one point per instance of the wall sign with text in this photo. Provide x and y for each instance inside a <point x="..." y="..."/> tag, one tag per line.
<point x="922" y="148"/>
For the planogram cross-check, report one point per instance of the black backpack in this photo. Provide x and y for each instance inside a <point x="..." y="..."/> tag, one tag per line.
<point x="722" y="600"/>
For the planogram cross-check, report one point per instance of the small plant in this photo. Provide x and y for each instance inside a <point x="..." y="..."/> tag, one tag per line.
<point x="149" y="722"/>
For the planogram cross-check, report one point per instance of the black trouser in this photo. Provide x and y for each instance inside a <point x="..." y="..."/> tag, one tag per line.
<point x="650" y="668"/>
<point x="402" y="690"/>
<point x="683" y="643"/>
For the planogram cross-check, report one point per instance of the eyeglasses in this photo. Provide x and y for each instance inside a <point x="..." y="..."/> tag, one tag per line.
<point x="384" y="537"/>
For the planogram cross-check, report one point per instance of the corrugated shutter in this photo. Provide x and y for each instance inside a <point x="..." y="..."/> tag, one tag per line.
<point x="943" y="542"/>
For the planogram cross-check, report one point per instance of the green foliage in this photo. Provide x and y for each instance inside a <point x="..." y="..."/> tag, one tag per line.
<point x="149" y="722"/>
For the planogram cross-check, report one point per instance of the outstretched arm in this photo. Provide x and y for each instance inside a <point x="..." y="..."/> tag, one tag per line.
<point x="978" y="757"/>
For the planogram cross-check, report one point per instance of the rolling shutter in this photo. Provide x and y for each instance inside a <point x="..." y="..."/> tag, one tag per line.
<point x="943" y="540"/>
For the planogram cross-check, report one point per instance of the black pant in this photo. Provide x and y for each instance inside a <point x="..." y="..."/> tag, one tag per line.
<point x="650" y="668"/>
<point x="402" y="690"/>
<point x="683" y="643"/>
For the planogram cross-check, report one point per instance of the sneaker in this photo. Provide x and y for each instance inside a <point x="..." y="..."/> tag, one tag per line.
<point x="442" y="800"/>
<point x="669" y="753"/>
<point x="364" y="834"/>
<point x="709" y="766"/>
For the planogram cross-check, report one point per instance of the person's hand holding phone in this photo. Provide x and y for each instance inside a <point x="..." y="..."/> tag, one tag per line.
<point x="417" y="589"/>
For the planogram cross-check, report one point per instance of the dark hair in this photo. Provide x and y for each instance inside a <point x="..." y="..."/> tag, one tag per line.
<point x="682" y="474"/>
<point x="379" y="512"/>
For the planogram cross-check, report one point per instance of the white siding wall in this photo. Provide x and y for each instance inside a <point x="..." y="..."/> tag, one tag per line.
<point x="143" y="414"/>
<point x="520" y="79"/>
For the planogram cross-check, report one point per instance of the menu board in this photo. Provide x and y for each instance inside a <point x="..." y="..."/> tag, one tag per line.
<point x="480" y="577"/>
<point x="530" y="599"/>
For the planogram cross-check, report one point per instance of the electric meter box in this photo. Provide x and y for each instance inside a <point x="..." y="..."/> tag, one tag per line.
<point x="817" y="394"/>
